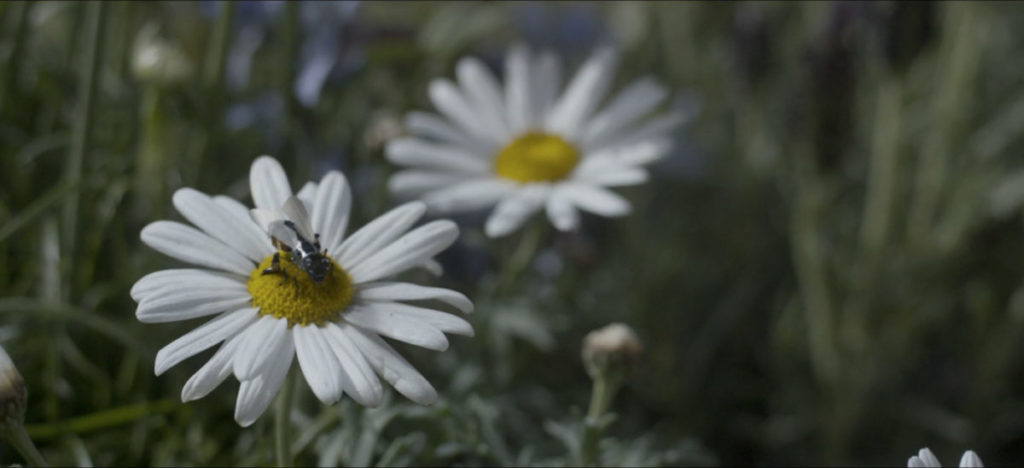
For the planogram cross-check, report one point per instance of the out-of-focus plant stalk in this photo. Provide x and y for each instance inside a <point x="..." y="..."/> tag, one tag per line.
<point x="213" y="65"/>
<point x="211" y="83"/>
<point x="151" y="162"/>
<point x="881" y="191"/>
<point x="810" y="268"/>
<point x="952" y="103"/>
<point x="20" y="11"/>
<point x="521" y="257"/>
<point x="92" y="40"/>
<point x="604" y="389"/>
<point x="283" y="421"/>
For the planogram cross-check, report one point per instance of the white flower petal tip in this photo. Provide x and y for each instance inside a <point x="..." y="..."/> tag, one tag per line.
<point x="970" y="460"/>
<point x="268" y="183"/>
<point x="924" y="459"/>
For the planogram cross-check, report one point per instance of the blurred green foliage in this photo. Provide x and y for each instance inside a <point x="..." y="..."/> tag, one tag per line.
<point x="827" y="270"/>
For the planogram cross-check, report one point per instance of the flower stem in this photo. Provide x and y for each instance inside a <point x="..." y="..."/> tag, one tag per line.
<point x="18" y="437"/>
<point x="601" y="395"/>
<point x="522" y="256"/>
<point x="282" y="423"/>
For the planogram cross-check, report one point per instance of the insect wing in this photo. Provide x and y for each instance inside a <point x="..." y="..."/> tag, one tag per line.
<point x="280" y="231"/>
<point x="296" y="211"/>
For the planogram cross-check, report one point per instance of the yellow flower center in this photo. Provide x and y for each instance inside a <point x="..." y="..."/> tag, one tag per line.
<point x="536" y="157"/>
<point x="291" y="294"/>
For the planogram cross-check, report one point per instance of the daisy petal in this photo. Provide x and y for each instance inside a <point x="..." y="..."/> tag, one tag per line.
<point x="659" y="128"/>
<point x="396" y="291"/>
<point x="181" y="278"/>
<point x="433" y="267"/>
<point x="175" y="304"/>
<point x="515" y="208"/>
<point x="445" y="322"/>
<point x="407" y="251"/>
<point x="613" y="175"/>
<point x="970" y="460"/>
<point x="268" y="183"/>
<point x="432" y="127"/>
<point x="639" y="98"/>
<point x="212" y="218"/>
<point x="468" y="195"/>
<point x="420" y="153"/>
<point x="450" y="101"/>
<point x="517" y="89"/>
<point x="378" y="233"/>
<point x="412" y="182"/>
<point x="594" y="199"/>
<point x="547" y="80"/>
<point x="193" y="246"/>
<point x="240" y="216"/>
<point x="562" y="213"/>
<point x="211" y="374"/>
<point x="636" y="154"/>
<point x="206" y="335"/>
<point x="332" y="205"/>
<point x="319" y="365"/>
<point x="357" y="376"/>
<point x="582" y="94"/>
<point x="392" y="366"/>
<point x="306" y="194"/>
<point x="483" y="92"/>
<point x="259" y="340"/>
<point x="405" y="329"/>
<point x="255" y="395"/>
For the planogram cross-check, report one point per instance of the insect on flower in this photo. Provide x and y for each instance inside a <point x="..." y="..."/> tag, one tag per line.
<point x="292" y="236"/>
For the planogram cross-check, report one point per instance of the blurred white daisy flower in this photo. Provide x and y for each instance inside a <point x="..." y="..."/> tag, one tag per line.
<point x="926" y="459"/>
<point x="526" y="147"/>
<point x="333" y="322"/>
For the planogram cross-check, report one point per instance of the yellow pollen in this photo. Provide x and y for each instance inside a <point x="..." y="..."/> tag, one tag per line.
<point x="293" y="295"/>
<point x="536" y="157"/>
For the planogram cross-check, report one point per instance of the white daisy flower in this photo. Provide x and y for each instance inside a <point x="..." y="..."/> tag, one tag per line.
<point x="525" y="147"/>
<point x="333" y="323"/>
<point x="926" y="459"/>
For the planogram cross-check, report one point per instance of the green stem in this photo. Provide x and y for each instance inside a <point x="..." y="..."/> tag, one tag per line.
<point x="102" y="419"/>
<point x="522" y="256"/>
<point x="213" y="66"/>
<point x="602" y="393"/>
<point x="282" y="422"/>
<point x="17" y="437"/>
<point x="87" y="83"/>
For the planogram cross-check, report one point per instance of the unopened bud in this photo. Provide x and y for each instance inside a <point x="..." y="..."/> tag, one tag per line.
<point x="612" y="348"/>
<point x="383" y="126"/>
<point x="158" y="61"/>
<point x="13" y="394"/>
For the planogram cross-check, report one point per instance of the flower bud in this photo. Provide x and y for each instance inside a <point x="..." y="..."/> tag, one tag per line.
<point x="13" y="394"/>
<point x="613" y="348"/>
<point x="158" y="61"/>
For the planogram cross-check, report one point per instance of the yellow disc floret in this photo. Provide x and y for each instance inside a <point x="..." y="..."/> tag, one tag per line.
<point x="291" y="294"/>
<point x="536" y="157"/>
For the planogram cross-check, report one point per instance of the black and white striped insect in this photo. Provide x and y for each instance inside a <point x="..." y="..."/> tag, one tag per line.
<point x="294" y="236"/>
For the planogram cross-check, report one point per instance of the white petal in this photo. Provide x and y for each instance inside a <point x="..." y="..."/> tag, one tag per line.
<point x="407" y="251"/>
<point x="468" y="195"/>
<point x="443" y="321"/>
<point x="419" y="153"/>
<point x="632" y="155"/>
<point x="412" y="182"/>
<point x="562" y="213"/>
<point x="638" y="99"/>
<point x="454" y="105"/>
<point x="432" y="127"/>
<point x="517" y="89"/>
<point x="514" y="209"/>
<point x="656" y="128"/>
<point x="259" y="340"/>
<point x="924" y="458"/>
<point x="240" y="215"/>
<point x="208" y="334"/>
<point x="970" y="460"/>
<point x="212" y="373"/>
<point x="402" y="328"/>
<point x="268" y="183"/>
<point x="547" y="81"/>
<point x="216" y="221"/>
<point x="395" y="291"/>
<point x="185" y="278"/>
<point x="433" y="267"/>
<point x="255" y="395"/>
<point x="181" y="303"/>
<point x="484" y="95"/>
<point x="332" y="205"/>
<point x="191" y="245"/>
<point x="295" y="211"/>
<point x="583" y="94"/>
<point x="611" y="175"/>
<point x="392" y="366"/>
<point x="378" y="233"/>
<point x="318" y="363"/>
<point x="265" y="218"/>
<point x="594" y="199"/>
<point x="357" y="376"/>
<point x="307" y="193"/>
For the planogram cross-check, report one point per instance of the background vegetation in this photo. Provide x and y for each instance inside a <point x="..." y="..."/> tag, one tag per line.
<point x="826" y="270"/>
